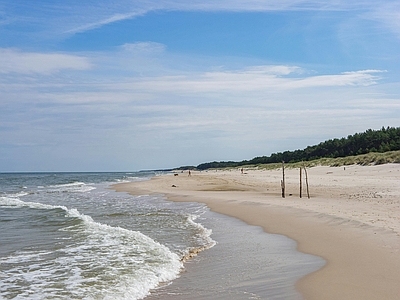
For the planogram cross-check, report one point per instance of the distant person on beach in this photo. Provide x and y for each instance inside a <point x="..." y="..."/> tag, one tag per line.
<point x="190" y="174"/>
<point x="241" y="170"/>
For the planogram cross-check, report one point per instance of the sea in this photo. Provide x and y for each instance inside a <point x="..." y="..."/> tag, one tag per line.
<point x="71" y="236"/>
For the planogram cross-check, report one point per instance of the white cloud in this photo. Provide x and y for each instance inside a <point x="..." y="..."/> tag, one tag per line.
<point x="225" y="114"/>
<point x="144" y="47"/>
<point x="107" y="20"/>
<point x="142" y="71"/>
<point x="356" y="78"/>
<point x="274" y="69"/>
<point x="256" y="79"/>
<point x="110" y="12"/>
<point x="15" y="61"/>
<point x="387" y="14"/>
<point x="260" y="5"/>
<point x="80" y="16"/>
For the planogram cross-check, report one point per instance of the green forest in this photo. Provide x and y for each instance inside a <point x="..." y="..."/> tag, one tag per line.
<point x="383" y="140"/>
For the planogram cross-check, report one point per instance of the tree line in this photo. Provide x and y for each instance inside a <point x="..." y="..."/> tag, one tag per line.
<point x="383" y="140"/>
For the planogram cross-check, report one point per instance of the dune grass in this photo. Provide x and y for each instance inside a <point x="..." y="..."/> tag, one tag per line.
<point x="372" y="158"/>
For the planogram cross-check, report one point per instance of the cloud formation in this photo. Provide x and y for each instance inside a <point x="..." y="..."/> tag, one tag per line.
<point x="17" y="61"/>
<point x="81" y="85"/>
<point x="256" y="79"/>
<point x="80" y="16"/>
<point x="387" y="14"/>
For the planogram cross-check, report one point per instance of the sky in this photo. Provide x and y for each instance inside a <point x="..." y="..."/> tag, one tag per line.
<point x="127" y="85"/>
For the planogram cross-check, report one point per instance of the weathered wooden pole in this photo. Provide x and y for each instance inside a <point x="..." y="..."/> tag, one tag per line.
<point x="301" y="182"/>
<point x="308" y="192"/>
<point x="283" y="179"/>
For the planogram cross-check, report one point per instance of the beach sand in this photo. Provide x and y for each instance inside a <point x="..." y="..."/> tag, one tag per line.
<point x="352" y="219"/>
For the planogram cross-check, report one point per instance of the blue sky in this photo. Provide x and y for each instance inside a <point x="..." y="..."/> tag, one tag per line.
<point x="130" y="85"/>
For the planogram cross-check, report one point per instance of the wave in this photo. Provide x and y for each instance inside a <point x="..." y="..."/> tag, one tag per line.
<point x="126" y="179"/>
<point x="13" y="201"/>
<point x="70" y="187"/>
<point x="204" y="236"/>
<point x="97" y="259"/>
<point x="18" y="194"/>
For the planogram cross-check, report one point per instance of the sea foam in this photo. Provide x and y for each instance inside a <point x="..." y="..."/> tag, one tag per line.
<point x="102" y="261"/>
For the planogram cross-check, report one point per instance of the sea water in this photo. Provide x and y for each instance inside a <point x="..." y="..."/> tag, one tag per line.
<point x="69" y="236"/>
<point x="246" y="263"/>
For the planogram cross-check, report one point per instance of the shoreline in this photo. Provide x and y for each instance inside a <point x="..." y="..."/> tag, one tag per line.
<point x="352" y="219"/>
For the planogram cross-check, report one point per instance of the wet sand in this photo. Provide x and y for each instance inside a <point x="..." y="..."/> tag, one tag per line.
<point x="245" y="263"/>
<point x="352" y="219"/>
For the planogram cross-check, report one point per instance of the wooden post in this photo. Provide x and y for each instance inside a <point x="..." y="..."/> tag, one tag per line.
<point x="301" y="182"/>
<point x="283" y="179"/>
<point x="308" y="192"/>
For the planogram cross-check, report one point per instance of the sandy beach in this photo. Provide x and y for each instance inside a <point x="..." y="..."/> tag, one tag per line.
<point x="352" y="219"/>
